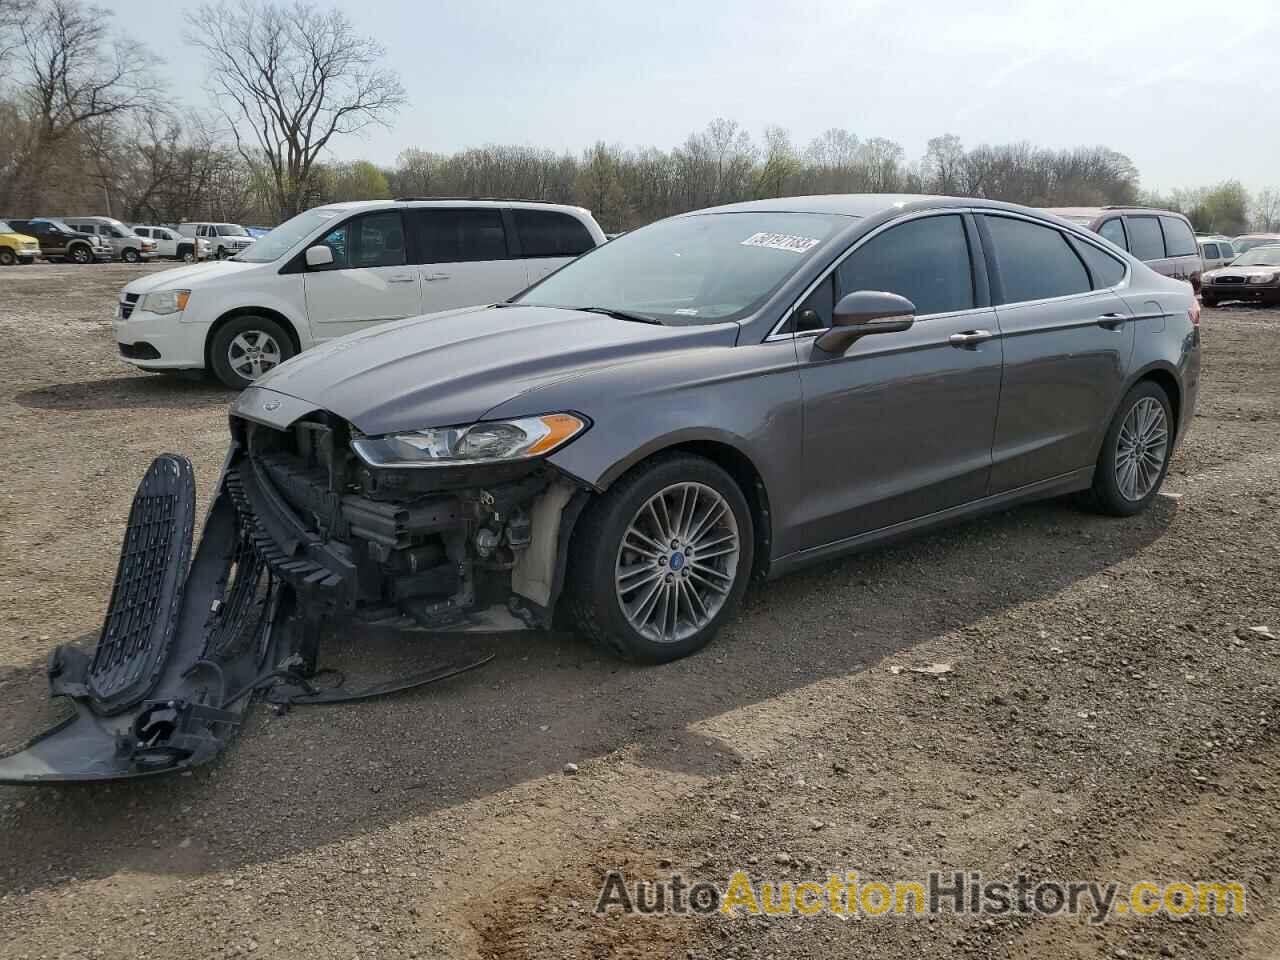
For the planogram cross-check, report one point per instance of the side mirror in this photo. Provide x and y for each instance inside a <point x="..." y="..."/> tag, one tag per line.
<point x="862" y="313"/>
<point x="319" y="257"/>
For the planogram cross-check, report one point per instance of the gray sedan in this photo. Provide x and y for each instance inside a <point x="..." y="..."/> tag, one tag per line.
<point x="728" y="394"/>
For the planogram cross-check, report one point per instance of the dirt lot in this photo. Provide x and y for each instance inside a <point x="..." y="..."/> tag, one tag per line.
<point x="1109" y="715"/>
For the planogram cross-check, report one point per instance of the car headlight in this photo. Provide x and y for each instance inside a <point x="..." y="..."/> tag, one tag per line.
<point x="487" y="442"/>
<point x="1263" y="278"/>
<point x="165" y="301"/>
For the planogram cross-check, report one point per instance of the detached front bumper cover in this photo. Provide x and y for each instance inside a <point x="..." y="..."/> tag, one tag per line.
<point x="188" y="640"/>
<point x="182" y="647"/>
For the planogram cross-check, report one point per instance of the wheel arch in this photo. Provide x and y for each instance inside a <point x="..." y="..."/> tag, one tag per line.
<point x="232" y="314"/>
<point x="722" y="450"/>
<point x="1166" y="378"/>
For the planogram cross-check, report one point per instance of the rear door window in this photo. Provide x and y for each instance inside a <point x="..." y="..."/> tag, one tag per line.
<point x="1146" y="242"/>
<point x="1228" y="252"/>
<point x="549" y="233"/>
<point x="1113" y="230"/>
<point x="458" y="235"/>
<point x="1036" y="262"/>
<point x="378" y="241"/>
<point x="924" y="260"/>
<point x="1179" y="241"/>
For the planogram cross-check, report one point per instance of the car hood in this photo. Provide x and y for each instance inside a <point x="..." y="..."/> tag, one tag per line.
<point x="453" y="367"/>
<point x="18" y="238"/>
<point x="193" y="276"/>
<point x="1250" y="271"/>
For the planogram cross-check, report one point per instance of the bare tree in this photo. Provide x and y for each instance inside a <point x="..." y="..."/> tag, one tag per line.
<point x="1266" y="210"/>
<point x="290" y="78"/>
<point x="71" y="75"/>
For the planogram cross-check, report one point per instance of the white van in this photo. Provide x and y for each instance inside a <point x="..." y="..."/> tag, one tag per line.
<point x="341" y="268"/>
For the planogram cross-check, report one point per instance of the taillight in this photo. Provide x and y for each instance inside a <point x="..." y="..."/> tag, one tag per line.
<point x="1194" y="312"/>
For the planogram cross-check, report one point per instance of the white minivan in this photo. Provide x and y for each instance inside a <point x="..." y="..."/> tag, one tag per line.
<point x="338" y="269"/>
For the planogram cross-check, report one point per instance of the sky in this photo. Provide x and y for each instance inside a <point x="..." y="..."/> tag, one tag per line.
<point x="1188" y="90"/>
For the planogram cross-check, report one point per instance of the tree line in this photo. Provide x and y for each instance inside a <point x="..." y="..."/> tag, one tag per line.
<point x="87" y="125"/>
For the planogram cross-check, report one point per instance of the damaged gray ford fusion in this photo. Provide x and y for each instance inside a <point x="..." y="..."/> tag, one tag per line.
<point x="721" y="395"/>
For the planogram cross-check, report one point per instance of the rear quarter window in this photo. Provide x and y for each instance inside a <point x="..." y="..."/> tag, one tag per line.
<point x="1113" y="230"/>
<point x="1104" y="269"/>
<point x="1146" y="242"/>
<point x="1179" y="241"/>
<point x="548" y="233"/>
<point x="1210" y="251"/>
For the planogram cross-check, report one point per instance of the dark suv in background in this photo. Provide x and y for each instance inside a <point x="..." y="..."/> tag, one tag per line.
<point x="1161" y="239"/>
<point x="59" y="242"/>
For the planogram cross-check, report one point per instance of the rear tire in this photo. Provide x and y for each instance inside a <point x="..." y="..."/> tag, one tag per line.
<point x="650" y="601"/>
<point x="231" y="352"/>
<point x="1135" y="452"/>
<point x="7" y="257"/>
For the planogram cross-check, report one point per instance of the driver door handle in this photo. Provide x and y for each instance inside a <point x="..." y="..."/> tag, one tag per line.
<point x="432" y="277"/>
<point x="402" y="278"/>
<point x="1110" y="320"/>
<point x="970" y="338"/>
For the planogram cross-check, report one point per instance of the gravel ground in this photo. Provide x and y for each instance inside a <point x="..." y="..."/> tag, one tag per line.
<point x="1108" y="714"/>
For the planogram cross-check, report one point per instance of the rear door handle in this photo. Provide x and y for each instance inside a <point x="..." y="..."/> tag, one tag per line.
<point x="970" y="338"/>
<point x="1110" y="320"/>
<point x="401" y="278"/>
<point x="432" y="277"/>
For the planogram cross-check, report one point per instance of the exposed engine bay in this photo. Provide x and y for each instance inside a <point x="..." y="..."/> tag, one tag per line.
<point x="301" y="533"/>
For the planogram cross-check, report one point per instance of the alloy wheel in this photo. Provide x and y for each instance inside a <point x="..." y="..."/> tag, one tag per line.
<point x="252" y="353"/>
<point x="1141" y="448"/>
<point x="677" y="562"/>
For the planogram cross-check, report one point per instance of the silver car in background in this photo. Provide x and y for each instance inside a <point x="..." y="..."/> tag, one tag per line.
<point x="125" y="245"/>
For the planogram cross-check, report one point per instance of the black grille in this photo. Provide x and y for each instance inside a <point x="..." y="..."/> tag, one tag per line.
<point x="139" y="351"/>
<point x="1225" y="280"/>
<point x="135" y="638"/>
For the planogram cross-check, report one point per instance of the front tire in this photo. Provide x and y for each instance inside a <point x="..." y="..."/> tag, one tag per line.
<point x="661" y="560"/>
<point x="1208" y="299"/>
<point x="130" y="256"/>
<point x="81" y="254"/>
<point x="246" y="348"/>
<point x="1135" y="452"/>
<point x="186" y="255"/>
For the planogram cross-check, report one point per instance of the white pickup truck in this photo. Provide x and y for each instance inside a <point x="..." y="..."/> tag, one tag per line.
<point x="225" y="239"/>
<point x="172" y="245"/>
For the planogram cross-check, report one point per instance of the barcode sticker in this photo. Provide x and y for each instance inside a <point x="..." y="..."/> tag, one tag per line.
<point x="780" y="241"/>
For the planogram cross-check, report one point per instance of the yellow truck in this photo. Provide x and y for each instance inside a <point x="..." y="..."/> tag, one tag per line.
<point x="16" y="247"/>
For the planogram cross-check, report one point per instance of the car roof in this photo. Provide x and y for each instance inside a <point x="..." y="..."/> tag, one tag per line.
<point x="1092" y="212"/>
<point x="475" y="201"/>
<point x="867" y="204"/>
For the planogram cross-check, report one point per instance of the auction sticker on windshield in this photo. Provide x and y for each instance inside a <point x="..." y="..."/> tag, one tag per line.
<point x="780" y="241"/>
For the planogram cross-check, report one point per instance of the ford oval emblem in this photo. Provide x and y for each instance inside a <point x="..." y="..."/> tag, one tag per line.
<point x="271" y="405"/>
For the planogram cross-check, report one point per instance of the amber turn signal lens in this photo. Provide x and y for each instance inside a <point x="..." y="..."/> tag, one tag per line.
<point x="560" y="427"/>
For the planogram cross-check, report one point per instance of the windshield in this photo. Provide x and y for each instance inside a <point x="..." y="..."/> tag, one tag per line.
<point x="276" y="243"/>
<point x="1248" y="243"/>
<point x="698" y="269"/>
<point x="231" y="230"/>
<point x="1268" y="256"/>
<point x="5" y="228"/>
